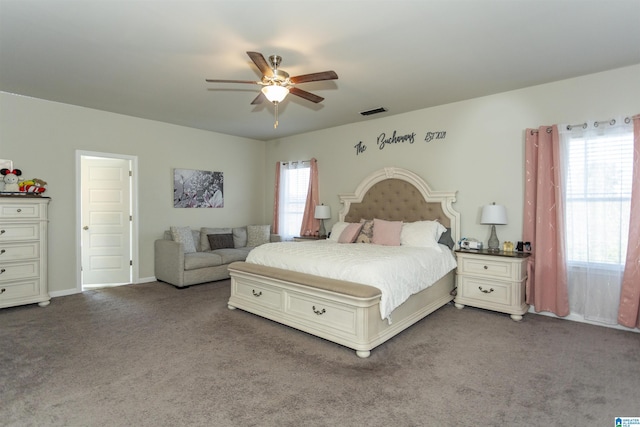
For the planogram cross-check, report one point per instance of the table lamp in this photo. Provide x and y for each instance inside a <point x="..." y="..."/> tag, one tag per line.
<point x="322" y="212"/>
<point x="493" y="215"/>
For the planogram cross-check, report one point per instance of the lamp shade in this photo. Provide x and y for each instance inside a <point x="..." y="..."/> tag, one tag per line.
<point x="493" y="214"/>
<point x="275" y="93"/>
<point x="322" y="212"/>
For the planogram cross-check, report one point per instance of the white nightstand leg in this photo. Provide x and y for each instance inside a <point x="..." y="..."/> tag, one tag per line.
<point x="516" y="317"/>
<point x="459" y="306"/>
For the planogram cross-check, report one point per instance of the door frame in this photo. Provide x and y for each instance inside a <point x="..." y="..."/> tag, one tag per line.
<point x="135" y="273"/>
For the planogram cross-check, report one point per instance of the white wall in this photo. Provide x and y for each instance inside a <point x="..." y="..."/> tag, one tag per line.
<point x="482" y="156"/>
<point x="42" y="137"/>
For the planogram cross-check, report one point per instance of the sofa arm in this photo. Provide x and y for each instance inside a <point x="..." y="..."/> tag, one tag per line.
<point x="169" y="261"/>
<point x="275" y="238"/>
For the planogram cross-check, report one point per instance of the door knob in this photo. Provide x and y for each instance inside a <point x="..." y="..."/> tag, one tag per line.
<point x="86" y="227"/>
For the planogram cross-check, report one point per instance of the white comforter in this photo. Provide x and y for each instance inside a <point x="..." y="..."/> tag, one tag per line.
<point x="398" y="271"/>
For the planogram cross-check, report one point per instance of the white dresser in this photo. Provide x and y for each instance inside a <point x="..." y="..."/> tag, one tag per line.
<point x="23" y="250"/>
<point x="494" y="281"/>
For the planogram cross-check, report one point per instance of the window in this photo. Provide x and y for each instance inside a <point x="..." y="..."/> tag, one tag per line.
<point x="598" y="198"/>
<point x="294" y="186"/>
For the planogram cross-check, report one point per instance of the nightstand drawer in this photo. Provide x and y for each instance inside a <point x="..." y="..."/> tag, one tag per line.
<point x="483" y="290"/>
<point x="485" y="266"/>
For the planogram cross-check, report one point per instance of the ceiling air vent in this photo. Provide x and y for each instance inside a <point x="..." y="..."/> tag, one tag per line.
<point x="374" y="111"/>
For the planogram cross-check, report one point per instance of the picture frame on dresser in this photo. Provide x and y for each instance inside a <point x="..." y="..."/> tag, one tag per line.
<point x="23" y="250"/>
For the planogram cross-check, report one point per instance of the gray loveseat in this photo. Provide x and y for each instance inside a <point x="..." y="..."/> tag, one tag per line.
<point x="183" y="262"/>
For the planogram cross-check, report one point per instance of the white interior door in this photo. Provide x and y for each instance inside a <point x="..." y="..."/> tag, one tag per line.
<point x="106" y="221"/>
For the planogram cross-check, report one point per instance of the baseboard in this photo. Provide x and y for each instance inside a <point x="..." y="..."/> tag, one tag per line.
<point x="578" y="318"/>
<point x="66" y="292"/>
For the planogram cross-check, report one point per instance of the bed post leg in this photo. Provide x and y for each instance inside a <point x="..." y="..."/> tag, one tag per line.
<point x="363" y="353"/>
<point x="230" y="307"/>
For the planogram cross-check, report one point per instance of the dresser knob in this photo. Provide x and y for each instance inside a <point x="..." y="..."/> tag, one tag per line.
<point x="486" y="268"/>
<point x="3" y="270"/>
<point x="2" y="290"/>
<point x="19" y="210"/>
<point x="2" y="251"/>
<point x="2" y="231"/>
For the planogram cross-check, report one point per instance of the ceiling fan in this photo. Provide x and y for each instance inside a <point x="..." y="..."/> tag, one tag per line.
<point x="276" y="83"/>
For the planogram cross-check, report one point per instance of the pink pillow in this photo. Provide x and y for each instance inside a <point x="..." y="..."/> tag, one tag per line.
<point x="386" y="232"/>
<point x="350" y="233"/>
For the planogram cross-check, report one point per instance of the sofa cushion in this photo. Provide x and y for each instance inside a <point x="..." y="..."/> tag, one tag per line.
<point x="240" y="237"/>
<point x="204" y="233"/>
<point x="220" y="241"/>
<point x="229" y="255"/>
<point x="258" y="235"/>
<point x="185" y="236"/>
<point x="197" y="260"/>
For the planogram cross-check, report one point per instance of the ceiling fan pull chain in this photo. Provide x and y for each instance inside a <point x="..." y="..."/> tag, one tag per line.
<point x="275" y="124"/>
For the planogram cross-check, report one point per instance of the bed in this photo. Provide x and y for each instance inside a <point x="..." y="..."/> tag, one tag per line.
<point x="345" y="311"/>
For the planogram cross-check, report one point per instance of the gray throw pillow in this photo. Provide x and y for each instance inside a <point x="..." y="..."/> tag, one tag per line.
<point x="185" y="236"/>
<point x="220" y="241"/>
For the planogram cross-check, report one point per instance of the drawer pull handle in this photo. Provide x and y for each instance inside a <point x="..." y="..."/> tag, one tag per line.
<point x="484" y="291"/>
<point x="256" y="294"/>
<point x="2" y="290"/>
<point x="319" y="312"/>
<point x="3" y="270"/>
<point x="2" y="251"/>
<point x="19" y="210"/>
<point x="486" y="268"/>
<point x="2" y="231"/>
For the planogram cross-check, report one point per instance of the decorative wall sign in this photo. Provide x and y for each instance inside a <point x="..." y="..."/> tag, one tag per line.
<point x="383" y="140"/>
<point x="197" y="189"/>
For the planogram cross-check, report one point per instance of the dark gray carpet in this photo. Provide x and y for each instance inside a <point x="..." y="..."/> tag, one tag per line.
<point x="153" y="355"/>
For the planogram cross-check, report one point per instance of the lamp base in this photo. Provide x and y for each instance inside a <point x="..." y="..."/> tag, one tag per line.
<point x="494" y="243"/>
<point x="322" y="232"/>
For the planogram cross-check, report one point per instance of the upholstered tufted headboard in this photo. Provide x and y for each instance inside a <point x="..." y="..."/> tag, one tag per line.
<point x="397" y="194"/>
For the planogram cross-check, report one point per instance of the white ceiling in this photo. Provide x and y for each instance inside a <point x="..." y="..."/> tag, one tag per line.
<point x="150" y="59"/>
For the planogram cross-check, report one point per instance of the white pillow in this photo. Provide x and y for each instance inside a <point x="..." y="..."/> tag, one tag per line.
<point x="185" y="236"/>
<point x="422" y="234"/>
<point x="258" y="235"/>
<point x="337" y="230"/>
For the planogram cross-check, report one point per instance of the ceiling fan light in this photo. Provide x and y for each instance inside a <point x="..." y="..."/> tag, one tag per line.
<point x="275" y="93"/>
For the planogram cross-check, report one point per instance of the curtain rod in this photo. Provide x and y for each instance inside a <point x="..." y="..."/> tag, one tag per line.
<point x="611" y="122"/>
<point x="584" y="125"/>
<point x="295" y="162"/>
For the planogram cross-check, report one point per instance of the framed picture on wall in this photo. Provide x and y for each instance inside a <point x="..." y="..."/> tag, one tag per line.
<point x="197" y="189"/>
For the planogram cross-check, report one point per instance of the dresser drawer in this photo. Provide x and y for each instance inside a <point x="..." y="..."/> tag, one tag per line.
<point x="322" y="312"/>
<point x="19" y="251"/>
<point x="17" y="211"/>
<point x="19" y="270"/>
<point x="15" y="232"/>
<point x="484" y="291"/>
<point x="17" y="290"/>
<point x="490" y="267"/>
<point x="261" y="294"/>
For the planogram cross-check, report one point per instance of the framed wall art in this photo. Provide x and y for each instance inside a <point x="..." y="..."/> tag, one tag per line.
<point x="197" y="189"/>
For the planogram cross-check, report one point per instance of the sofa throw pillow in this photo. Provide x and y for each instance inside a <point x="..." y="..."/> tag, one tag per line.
<point x="220" y="241"/>
<point x="183" y="235"/>
<point x="386" y="233"/>
<point x="204" y="235"/>
<point x="366" y="232"/>
<point x="258" y="235"/>
<point x="240" y="237"/>
<point x="350" y="232"/>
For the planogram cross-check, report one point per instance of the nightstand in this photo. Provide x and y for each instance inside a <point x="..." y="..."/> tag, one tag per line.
<point x="492" y="280"/>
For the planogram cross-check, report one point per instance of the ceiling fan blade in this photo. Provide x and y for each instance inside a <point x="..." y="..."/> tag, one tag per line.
<point x="258" y="99"/>
<point x="306" y="95"/>
<point x="253" y="82"/>
<point x="314" y="77"/>
<point x="261" y="63"/>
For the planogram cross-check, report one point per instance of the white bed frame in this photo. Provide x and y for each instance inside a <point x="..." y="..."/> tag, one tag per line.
<point x="344" y="312"/>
